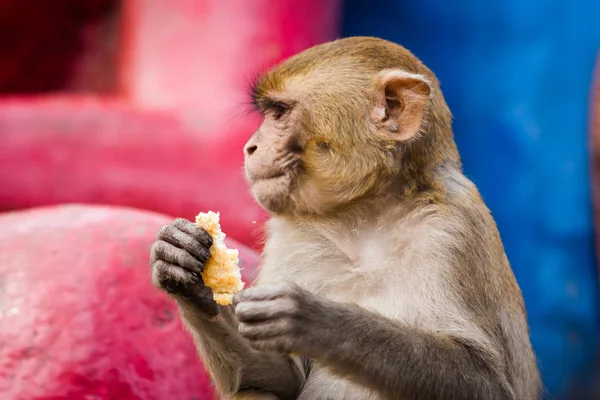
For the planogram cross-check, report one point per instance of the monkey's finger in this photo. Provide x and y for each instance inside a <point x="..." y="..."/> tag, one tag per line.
<point x="183" y="284"/>
<point x="195" y="230"/>
<point x="171" y="277"/>
<point x="183" y="240"/>
<point x="164" y="251"/>
<point x="262" y="292"/>
<point x="253" y="311"/>
<point x="266" y="330"/>
<point x="280" y="345"/>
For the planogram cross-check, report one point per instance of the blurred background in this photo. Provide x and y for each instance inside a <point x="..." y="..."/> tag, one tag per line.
<point x="116" y="116"/>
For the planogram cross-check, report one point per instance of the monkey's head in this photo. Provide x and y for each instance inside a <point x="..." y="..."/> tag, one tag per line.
<point x="343" y="121"/>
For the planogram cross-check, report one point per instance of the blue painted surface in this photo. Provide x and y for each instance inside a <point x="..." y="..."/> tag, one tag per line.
<point x="516" y="74"/>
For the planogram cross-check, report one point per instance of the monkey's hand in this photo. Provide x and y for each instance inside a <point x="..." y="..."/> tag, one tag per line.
<point x="177" y="259"/>
<point x="278" y="317"/>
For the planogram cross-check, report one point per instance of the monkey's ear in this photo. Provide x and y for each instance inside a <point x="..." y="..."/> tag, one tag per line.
<point x="401" y="101"/>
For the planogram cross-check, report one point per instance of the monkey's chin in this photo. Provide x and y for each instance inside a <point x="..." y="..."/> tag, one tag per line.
<point x="272" y="194"/>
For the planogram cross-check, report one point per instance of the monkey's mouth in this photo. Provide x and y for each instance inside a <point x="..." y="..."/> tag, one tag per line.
<point x="254" y="177"/>
<point x="271" y="191"/>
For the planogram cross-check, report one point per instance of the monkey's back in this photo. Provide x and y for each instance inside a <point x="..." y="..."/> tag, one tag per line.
<point x="495" y="298"/>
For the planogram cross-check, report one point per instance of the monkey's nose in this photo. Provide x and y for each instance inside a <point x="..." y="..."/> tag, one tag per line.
<point x="251" y="149"/>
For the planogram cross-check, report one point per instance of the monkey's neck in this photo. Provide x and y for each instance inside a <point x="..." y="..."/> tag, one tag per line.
<point x="343" y="244"/>
<point x="346" y="227"/>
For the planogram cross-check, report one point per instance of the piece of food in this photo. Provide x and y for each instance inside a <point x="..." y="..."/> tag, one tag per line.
<point x="221" y="272"/>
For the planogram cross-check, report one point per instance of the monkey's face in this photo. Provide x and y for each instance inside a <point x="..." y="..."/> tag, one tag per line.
<point x="338" y="120"/>
<point x="309" y="156"/>
<point x="273" y="158"/>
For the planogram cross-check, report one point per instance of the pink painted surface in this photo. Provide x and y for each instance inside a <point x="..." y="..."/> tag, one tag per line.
<point x="69" y="149"/>
<point x="79" y="317"/>
<point x="198" y="56"/>
<point x="173" y="142"/>
<point x="87" y="323"/>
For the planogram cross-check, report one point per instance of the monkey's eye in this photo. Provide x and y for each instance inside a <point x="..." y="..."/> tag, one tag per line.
<point x="279" y="110"/>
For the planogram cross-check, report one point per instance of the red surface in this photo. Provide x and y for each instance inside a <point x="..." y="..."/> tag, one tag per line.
<point x="198" y="56"/>
<point x="42" y="43"/>
<point x="73" y="149"/>
<point x="188" y="64"/>
<point x="79" y="316"/>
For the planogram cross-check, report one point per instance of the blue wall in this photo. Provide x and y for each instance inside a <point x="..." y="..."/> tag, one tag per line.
<point x="516" y="75"/>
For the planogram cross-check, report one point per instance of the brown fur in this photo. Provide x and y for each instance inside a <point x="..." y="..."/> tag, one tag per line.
<point x="384" y="270"/>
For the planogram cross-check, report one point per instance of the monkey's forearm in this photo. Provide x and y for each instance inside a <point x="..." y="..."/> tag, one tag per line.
<point x="405" y="362"/>
<point x="233" y="365"/>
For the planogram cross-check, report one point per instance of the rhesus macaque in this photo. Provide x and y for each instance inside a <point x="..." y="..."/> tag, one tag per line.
<point x="384" y="276"/>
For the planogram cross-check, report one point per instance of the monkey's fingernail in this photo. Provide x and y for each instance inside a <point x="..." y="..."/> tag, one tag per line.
<point x="195" y="277"/>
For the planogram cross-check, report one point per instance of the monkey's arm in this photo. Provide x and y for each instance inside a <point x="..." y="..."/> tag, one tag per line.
<point x="393" y="358"/>
<point x="234" y="366"/>
<point x="177" y="259"/>
<point x="385" y="355"/>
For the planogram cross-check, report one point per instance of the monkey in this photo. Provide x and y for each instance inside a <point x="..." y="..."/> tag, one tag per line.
<point x="383" y="274"/>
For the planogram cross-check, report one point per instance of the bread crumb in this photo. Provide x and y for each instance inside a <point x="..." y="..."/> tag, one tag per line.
<point x="221" y="272"/>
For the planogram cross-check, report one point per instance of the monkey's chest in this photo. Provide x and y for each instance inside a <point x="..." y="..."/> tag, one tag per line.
<point x="331" y="272"/>
<point x="359" y="276"/>
<point x="322" y="385"/>
<point x="337" y="279"/>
